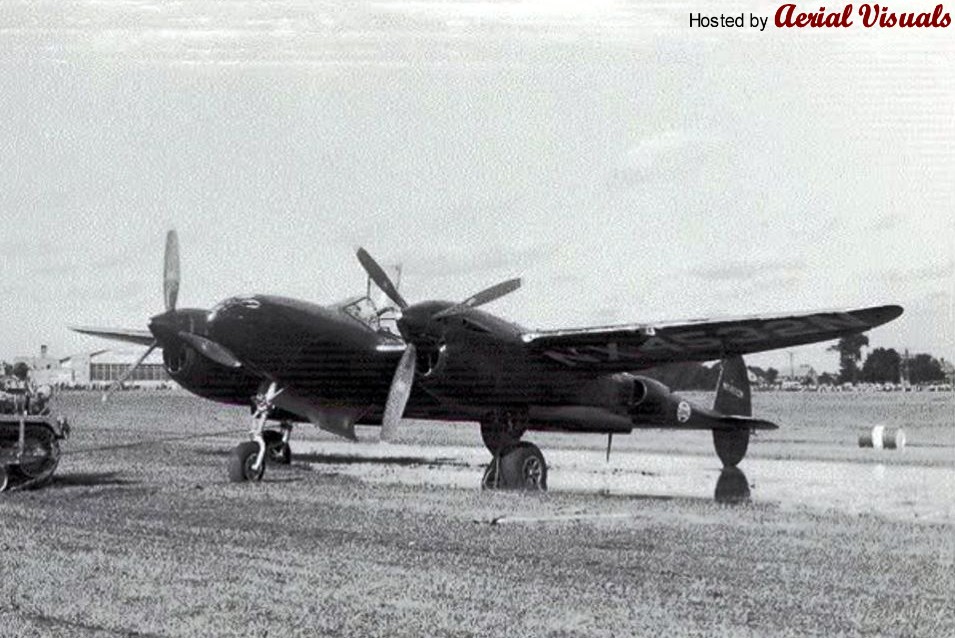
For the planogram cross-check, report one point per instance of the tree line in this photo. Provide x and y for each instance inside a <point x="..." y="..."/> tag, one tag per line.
<point x="881" y="365"/>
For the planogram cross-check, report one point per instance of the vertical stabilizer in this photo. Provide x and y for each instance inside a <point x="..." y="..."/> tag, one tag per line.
<point x="732" y="390"/>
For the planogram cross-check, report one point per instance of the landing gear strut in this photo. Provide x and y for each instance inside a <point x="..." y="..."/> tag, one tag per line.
<point x="247" y="462"/>
<point x="516" y="465"/>
<point x="502" y="430"/>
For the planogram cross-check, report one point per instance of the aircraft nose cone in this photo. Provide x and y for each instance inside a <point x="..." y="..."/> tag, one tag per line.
<point x="166" y="326"/>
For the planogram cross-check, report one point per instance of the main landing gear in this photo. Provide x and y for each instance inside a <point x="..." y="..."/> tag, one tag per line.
<point x="516" y="465"/>
<point x="248" y="459"/>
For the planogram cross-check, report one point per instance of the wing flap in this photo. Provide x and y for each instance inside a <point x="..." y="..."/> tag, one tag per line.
<point x="639" y="346"/>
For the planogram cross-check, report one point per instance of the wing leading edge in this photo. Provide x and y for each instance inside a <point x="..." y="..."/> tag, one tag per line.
<point x="639" y="346"/>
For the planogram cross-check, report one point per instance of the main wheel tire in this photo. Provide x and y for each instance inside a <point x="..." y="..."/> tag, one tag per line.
<point x="731" y="445"/>
<point x="276" y="449"/>
<point x="523" y="468"/>
<point x="241" y="461"/>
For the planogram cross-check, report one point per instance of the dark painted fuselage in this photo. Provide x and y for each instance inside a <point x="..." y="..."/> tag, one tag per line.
<point x="468" y="364"/>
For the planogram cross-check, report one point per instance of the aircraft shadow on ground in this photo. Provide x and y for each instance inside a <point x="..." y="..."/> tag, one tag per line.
<point x="406" y="461"/>
<point x="732" y="487"/>
<point x="88" y="479"/>
<point x="349" y="459"/>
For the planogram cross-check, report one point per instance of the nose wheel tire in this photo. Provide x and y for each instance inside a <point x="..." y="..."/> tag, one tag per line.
<point x="242" y="462"/>
<point x="276" y="449"/>
<point x="520" y="468"/>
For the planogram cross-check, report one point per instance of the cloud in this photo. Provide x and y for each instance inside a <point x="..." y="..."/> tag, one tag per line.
<point x="445" y="262"/>
<point x="925" y="273"/>
<point x="663" y="154"/>
<point x="885" y="222"/>
<point x="67" y="266"/>
<point x="747" y="270"/>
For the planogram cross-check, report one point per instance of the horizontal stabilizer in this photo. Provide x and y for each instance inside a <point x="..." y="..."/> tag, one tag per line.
<point x="128" y="335"/>
<point x="743" y="423"/>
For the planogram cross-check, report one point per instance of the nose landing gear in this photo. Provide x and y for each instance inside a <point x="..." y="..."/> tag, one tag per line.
<point x="247" y="462"/>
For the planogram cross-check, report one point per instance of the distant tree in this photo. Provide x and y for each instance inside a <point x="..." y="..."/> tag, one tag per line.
<point x="828" y="379"/>
<point x="21" y="370"/>
<point x="768" y="376"/>
<point x="924" y="368"/>
<point x="882" y="366"/>
<point x="7" y="369"/>
<point x="850" y="352"/>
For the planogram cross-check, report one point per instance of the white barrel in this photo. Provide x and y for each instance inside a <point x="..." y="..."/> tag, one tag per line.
<point x="873" y="439"/>
<point x="894" y="439"/>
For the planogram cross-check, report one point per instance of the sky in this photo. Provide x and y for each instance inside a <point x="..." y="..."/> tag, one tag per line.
<point x="628" y="166"/>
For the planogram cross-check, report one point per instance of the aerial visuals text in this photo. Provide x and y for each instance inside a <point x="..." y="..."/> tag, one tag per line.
<point x="865" y="15"/>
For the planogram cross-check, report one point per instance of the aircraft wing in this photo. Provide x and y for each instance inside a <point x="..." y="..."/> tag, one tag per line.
<point x="639" y="346"/>
<point x="129" y="335"/>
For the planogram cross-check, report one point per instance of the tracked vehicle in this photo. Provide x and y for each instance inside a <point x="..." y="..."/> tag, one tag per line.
<point x="30" y="436"/>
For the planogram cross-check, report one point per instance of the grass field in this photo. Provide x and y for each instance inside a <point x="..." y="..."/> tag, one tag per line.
<point x="140" y="538"/>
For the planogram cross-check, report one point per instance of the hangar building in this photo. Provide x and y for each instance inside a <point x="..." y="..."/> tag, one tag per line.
<point x="102" y="367"/>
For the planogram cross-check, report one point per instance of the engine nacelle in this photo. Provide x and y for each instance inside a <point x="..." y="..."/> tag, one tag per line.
<point x="204" y="377"/>
<point x="653" y="403"/>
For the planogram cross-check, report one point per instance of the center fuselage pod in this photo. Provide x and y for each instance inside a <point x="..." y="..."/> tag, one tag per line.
<point x="320" y="352"/>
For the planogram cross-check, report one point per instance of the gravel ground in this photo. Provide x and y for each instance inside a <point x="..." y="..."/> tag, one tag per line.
<point x="151" y="540"/>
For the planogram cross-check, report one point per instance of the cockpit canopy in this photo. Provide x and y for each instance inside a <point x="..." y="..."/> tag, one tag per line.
<point x="365" y="311"/>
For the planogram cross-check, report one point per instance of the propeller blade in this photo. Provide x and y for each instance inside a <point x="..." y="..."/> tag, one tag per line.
<point x="380" y="277"/>
<point x="485" y="296"/>
<point x="171" y="270"/>
<point x="118" y="382"/>
<point x="129" y="335"/>
<point x="211" y="350"/>
<point x="398" y="394"/>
